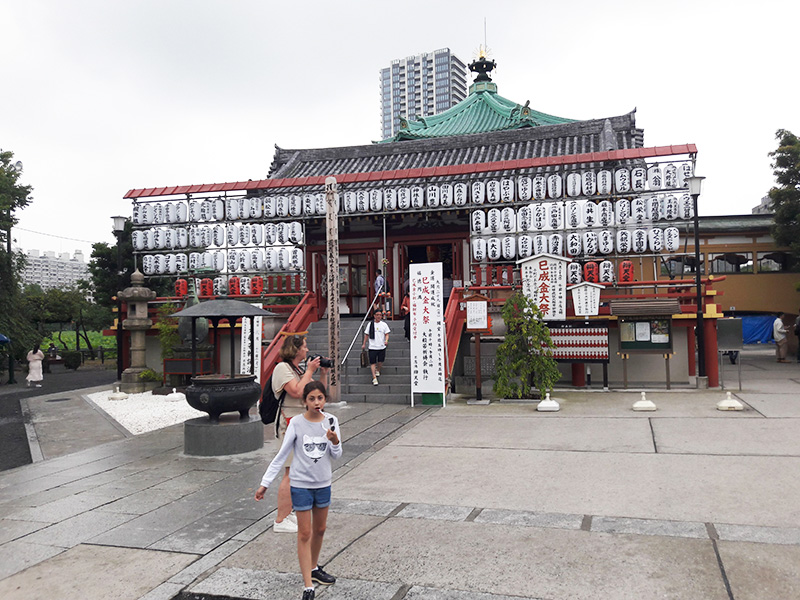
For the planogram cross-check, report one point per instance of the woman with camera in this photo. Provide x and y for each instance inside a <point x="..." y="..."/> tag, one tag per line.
<point x="289" y="375"/>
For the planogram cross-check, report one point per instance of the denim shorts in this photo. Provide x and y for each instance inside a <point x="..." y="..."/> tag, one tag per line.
<point x="306" y="499"/>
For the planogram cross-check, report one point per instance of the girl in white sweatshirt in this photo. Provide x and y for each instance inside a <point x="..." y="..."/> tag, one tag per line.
<point x="314" y="437"/>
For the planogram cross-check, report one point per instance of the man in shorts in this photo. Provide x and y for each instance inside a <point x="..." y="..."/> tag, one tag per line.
<point x="377" y="335"/>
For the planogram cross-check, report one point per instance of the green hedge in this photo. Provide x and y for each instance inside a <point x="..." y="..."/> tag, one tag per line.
<point x="72" y="360"/>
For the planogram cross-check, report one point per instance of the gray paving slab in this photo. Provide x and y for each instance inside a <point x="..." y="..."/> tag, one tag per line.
<point x="142" y="502"/>
<point x="764" y="535"/>
<point x="165" y="591"/>
<point x="531" y="432"/>
<point x="76" y="530"/>
<point x="202" y="536"/>
<point x="363" y="507"/>
<point x="557" y="563"/>
<point x="248" y="584"/>
<point x="209" y="561"/>
<point x="764" y="437"/>
<point x="19" y="555"/>
<point x="773" y="405"/>
<point x="12" y="530"/>
<point x="522" y="518"/>
<point x="649" y="527"/>
<point x="62" y="509"/>
<point x="94" y="572"/>
<point x="130" y="536"/>
<point x="191" y="481"/>
<point x="749" y="490"/>
<point x="761" y="571"/>
<point x="435" y="511"/>
<point x="427" y="593"/>
<point x="352" y="589"/>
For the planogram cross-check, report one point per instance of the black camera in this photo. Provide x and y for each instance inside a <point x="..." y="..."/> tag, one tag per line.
<point x="323" y="362"/>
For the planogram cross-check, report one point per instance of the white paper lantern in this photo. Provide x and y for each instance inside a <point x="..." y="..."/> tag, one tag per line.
<point x="206" y="236"/>
<point x="220" y="286"/>
<point x="183" y="237"/>
<point x="194" y="211"/>
<point x="509" y="248"/>
<point x="589" y="214"/>
<point x="245" y="286"/>
<point x="269" y="207"/>
<point x="638" y="179"/>
<point x="403" y="198"/>
<point x="605" y="213"/>
<point x="181" y="212"/>
<point x="256" y="207"/>
<point x="622" y="180"/>
<point x="686" y="208"/>
<point x="181" y="263"/>
<point x="206" y="210"/>
<point x="574" y="184"/>
<point x="349" y="200"/>
<point x="671" y="207"/>
<point x="478" y="249"/>
<point x="554" y="186"/>
<point x="282" y="206"/>
<point x="606" y="271"/>
<point x="493" y="249"/>
<point x="478" y="221"/>
<point x="390" y="199"/>
<point x="148" y="264"/>
<point x="138" y="240"/>
<point x="232" y="258"/>
<point x="219" y="260"/>
<point x="639" y="241"/>
<point x="158" y="214"/>
<point x="524" y="189"/>
<point x="321" y="204"/>
<point x="539" y="216"/>
<point x="493" y="191"/>
<point x="574" y="244"/>
<point x="169" y="212"/>
<point x="257" y="259"/>
<point x="589" y="183"/>
<point x="639" y="210"/>
<point x="244" y="235"/>
<point x="540" y="244"/>
<point x="525" y="219"/>
<point x="590" y="243"/>
<point x="170" y="238"/>
<point x="218" y="210"/>
<point x="296" y="259"/>
<point x="243" y="260"/>
<point x="283" y="259"/>
<point x="684" y="172"/>
<point x="478" y="192"/>
<point x="623" y="212"/>
<point x="147" y="214"/>
<point x="232" y="234"/>
<point x="604" y="182"/>
<point x="655" y="239"/>
<point x="525" y="244"/>
<point x="159" y="239"/>
<point x="195" y="237"/>
<point x="282" y="233"/>
<point x="539" y="187"/>
<point x="362" y="201"/>
<point x="573" y="214"/>
<point x="460" y="194"/>
<point x="670" y="176"/>
<point x="446" y="194"/>
<point x="296" y="232"/>
<point x="574" y="273"/>
<point x="655" y="179"/>
<point x="159" y="264"/>
<point x="654" y="208"/>
<point x="672" y="239"/>
<point x="417" y="197"/>
<point x="623" y="241"/>
<point x="555" y="215"/>
<point x="271" y="259"/>
<point x="432" y="196"/>
<point x="136" y="215"/>
<point x="506" y="190"/>
<point x="218" y="236"/>
<point x="555" y="244"/>
<point x="171" y="266"/>
<point x="605" y="241"/>
<point x="375" y="200"/>
<point x="270" y="233"/>
<point x="195" y="261"/>
<point x="296" y="205"/>
<point x="493" y="221"/>
<point x="256" y="234"/>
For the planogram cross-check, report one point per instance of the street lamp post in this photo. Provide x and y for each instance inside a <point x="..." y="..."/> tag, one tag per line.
<point x="119" y="227"/>
<point x="695" y="184"/>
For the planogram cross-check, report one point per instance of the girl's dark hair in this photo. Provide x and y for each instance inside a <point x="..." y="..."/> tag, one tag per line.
<point x="314" y="385"/>
<point x="35" y="348"/>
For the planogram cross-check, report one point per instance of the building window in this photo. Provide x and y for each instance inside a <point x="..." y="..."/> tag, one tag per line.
<point x="731" y="262"/>
<point x="775" y="262"/>
<point x="681" y="266"/>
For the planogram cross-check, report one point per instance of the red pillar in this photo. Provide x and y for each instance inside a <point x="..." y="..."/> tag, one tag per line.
<point x="691" y="349"/>
<point x="578" y="375"/>
<point x="712" y="359"/>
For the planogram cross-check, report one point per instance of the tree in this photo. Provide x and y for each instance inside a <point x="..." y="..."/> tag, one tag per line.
<point x="786" y="196"/>
<point x="13" y="196"/>
<point x="525" y="358"/>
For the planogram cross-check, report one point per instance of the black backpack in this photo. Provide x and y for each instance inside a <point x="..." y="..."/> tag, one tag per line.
<point x="270" y="407"/>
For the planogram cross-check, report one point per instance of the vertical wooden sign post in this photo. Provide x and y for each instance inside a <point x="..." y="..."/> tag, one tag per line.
<point x="332" y="237"/>
<point x="477" y="323"/>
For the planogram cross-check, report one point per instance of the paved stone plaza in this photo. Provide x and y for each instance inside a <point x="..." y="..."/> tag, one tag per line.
<point x="467" y="502"/>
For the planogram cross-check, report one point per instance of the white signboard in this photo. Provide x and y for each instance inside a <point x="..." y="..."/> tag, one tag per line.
<point x="246" y="353"/>
<point x="427" y="329"/>
<point x="477" y="315"/>
<point x="544" y="280"/>
<point x="586" y="298"/>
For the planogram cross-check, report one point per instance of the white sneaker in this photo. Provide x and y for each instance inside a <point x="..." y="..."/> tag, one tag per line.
<point x="377" y="373"/>
<point x="285" y="526"/>
<point x="292" y="517"/>
<point x="375" y="381"/>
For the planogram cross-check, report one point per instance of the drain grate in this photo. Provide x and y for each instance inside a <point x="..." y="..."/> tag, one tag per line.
<point x="58" y="399"/>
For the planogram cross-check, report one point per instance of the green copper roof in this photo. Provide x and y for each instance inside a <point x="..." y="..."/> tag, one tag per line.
<point x="481" y="112"/>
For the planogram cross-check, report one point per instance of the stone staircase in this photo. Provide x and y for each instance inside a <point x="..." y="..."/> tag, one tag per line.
<point x="395" y="379"/>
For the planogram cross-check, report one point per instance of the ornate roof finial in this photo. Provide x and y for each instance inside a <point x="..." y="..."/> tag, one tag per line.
<point x="482" y="66"/>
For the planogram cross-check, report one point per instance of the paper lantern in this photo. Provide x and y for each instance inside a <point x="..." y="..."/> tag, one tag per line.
<point x="169" y="212"/>
<point x="672" y="239"/>
<point x="591" y="272"/>
<point x="639" y="241"/>
<point x="244" y="234"/>
<point x="282" y="206"/>
<point x="390" y="199"/>
<point x="524" y="189"/>
<point x="626" y="272"/>
<point x="525" y="219"/>
<point x="296" y="205"/>
<point x="295" y="232"/>
<point x="655" y="179"/>
<point x="671" y="207"/>
<point x="654" y="208"/>
<point x="590" y="242"/>
<point x="206" y="287"/>
<point x="283" y="259"/>
<point x="539" y="187"/>
<point x="604" y="183"/>
<point x="148" y="264"/>
<point x="181" y="262"/>
<point x="256" y="234"/>
<point x="460" y="194"/>
<point x="605" y="213"/>
<point x="171" y="264"/>
<point x="232" y="232"/>
<point x="233" y="286"/>
<point x="417" y="197"/>
<point x="623" y="241"/>
<point x="574" y="273"/>
<point x="622" y="180"/>
<point x="478" y="250"/>
<point x="639" y="210"/>
<point x="509" y="248"/>
<point x="232" y="259"/>
<point x="554" y="186"/>
<point x="257" y="286"/>
<point x="195" y="261"/>
<point x="606" y="272"/>
<point x="183" y="237"/>
<point x="574" y="184"/>
<point x="159" y="239"/>
<point x="256" y="207"/>
<point x="257" y="259"/>
<point x="493" y="191"/>
<point x="478" y="221"/>
<point x="539" y="216"/>
<point x="574" y="244"/>
<point x="138" y="240"/>
<point x="555" y="215"/>
<point x="540" y="244"/>
<point x="362" y="201"/>
<point x="321" y="204"/>
<point x="270" y="233"/>
<point x="508" y="220"/>
<point x="493" y="250"/>
<point x="493" y="220"/>
<point x="158" y="213"/>
<point x="244" y="286"/>
<point x="655" y="239"/>
<point x="296" y="259"/>
<point x="282" y="233"/>
<point x="670" y="176"/>
<point x="446" y="194"/>
<point x="220" y="286"/>
<point x="478" y="192"/>
<point x="686" y="208"/>
<point x="555" y="244"/>
<point x="573" y="214"/>
<point x="638" y="179"/>
<point x="525" y="244"/>
<point x="623" y="212"/>
<point x="605" y="241"/>
<point x="269" y="207"/>
<point x="270" y="259"/>
<point x="506" y="190"/>
<point x="589" y="183"/>
<point x="219" y="260"/>
<point x="590" y="214"/>
<point x="375" y="200"/>
<point x="403" y="198"/>
<point x="684" y="172"/>
<point x="159" y="264"/>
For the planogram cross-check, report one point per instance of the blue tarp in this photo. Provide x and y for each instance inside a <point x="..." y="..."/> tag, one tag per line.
<point x="757" y="329"/>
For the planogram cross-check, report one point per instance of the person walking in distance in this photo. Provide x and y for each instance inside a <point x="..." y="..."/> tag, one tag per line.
<point x="377" y="335"/>
<point x="314" y="437"/>
<point x="797" y="333"/>
<point x="779" y="333"/>
<point x="35" y="358"/>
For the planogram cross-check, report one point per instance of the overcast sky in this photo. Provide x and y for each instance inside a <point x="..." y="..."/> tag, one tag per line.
<point x="102" y="96"/>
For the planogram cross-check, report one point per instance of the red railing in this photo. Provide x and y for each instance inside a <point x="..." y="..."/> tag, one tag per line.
<point x="302" y="316"/>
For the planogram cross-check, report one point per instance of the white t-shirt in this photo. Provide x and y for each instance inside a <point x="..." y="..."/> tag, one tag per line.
<point x="778" y="330"/>
<point x="379" y="341"/>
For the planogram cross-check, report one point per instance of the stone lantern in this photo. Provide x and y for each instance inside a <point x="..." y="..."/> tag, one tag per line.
<point x="136" y="298"/>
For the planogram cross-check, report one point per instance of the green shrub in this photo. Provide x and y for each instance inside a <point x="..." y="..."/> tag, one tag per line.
<point x="150" y="375"/>
<point x="72" y="360"/>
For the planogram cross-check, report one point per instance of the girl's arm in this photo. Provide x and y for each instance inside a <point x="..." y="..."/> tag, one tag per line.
<point x="277" y="462"/>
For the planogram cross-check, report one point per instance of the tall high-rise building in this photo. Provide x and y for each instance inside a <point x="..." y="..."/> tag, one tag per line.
<point x="50" y="270"/>
<point x="420" y="86"/>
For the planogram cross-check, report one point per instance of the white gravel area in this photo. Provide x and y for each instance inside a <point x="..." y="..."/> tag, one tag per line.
<point x="140" y="413"/>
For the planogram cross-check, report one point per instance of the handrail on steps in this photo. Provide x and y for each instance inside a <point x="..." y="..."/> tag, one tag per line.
<point x="302" y="316"/>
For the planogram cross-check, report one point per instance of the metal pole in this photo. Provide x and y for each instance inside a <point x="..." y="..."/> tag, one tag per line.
<point x="119" y="311"/>
<point x="701" y="348"/>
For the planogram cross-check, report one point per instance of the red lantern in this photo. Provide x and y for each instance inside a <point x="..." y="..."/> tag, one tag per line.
<point x="233" y="287"/>
<point x="257" y="286"/>
<point x="206" y="287"/>
<point x="181" y="288"/>
<point x="626" y="272"/>
<point x="591" y="272"/>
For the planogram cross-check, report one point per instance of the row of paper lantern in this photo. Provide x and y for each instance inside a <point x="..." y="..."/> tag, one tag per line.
<point x="492" y="191"/>
<point x="587" y="243"/>
<point x="221" y="286"/>
<point x="574" y="214"/>
<point x="256" y="259"/>
<point x="230" y="234"/>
